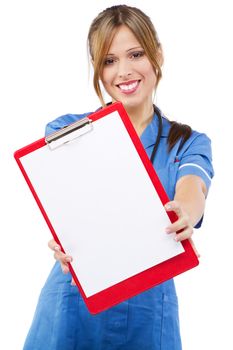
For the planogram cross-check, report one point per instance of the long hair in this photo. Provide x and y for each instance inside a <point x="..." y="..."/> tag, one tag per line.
<point x="100" y="36"/>
<point x="103" y="29"/>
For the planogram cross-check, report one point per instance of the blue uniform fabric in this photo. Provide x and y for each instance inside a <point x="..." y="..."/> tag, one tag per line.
<point x="148" y="321"/>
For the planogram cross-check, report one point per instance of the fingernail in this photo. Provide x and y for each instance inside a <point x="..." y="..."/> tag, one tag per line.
<point x="168" y="206"/>
<point x="57" y="248"/>
<point x="167" y="230"/>
<point x="68" y="259"/>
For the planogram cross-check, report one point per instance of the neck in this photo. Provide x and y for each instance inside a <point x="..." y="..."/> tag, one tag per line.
<point x="140" y="117"/>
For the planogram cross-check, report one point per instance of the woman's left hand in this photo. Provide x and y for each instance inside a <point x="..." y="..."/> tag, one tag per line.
<point x="183" y="226"/>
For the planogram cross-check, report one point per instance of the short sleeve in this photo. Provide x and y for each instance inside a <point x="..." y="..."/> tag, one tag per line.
<point x="196" y="158"/>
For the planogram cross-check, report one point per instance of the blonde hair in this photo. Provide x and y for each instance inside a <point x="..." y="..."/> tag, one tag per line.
<point x="103" y="29"/>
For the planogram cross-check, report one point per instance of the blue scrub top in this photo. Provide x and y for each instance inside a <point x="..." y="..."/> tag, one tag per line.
<point x="148" y="321"/>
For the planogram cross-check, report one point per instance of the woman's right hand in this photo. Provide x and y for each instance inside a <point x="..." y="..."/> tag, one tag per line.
<point x="64" y="259"/>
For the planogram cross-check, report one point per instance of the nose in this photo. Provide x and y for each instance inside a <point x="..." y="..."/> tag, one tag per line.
<point x="124" y="68"/>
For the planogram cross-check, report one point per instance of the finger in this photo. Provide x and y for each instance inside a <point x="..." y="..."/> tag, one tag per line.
<point x="174" y="206"/>
<point x="63" y="258"/>
<point x="185" y="234"/>
<point x="58" y="254"/>
<point x="178" y="225"/>
<point x="65" y="267"/>
<point x="53" y="245"/>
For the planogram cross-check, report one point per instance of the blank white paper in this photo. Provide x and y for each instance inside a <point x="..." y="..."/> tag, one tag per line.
<point x="102" y="205"/>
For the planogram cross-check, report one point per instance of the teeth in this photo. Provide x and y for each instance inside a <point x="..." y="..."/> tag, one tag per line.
<point x="128" y="87"/>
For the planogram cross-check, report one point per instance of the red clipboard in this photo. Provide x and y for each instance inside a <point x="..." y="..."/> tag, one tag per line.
<point x="73" y="139"/>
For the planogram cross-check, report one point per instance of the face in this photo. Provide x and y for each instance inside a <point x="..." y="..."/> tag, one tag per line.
<point x="128" y="75"/>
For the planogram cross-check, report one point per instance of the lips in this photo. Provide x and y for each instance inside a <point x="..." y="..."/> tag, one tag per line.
<point x="129" y="87"/>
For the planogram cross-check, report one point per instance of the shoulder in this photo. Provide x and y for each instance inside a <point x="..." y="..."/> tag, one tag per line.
<point x="198" y="142"/>
<point x="195" y="150"/>
<point x="63" y="121"/>
<point x="192" y="154"/>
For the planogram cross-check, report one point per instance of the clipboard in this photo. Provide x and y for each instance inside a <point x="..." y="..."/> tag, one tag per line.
<point x="104" y="205"/>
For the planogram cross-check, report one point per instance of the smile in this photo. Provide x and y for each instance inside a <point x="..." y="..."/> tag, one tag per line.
<point x="129" y="87"/>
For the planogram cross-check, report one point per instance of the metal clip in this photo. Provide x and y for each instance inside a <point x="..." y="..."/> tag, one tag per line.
<point x="69" y="133"/>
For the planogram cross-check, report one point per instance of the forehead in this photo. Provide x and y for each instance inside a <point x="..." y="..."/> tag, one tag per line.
<point x="123" y="40"/>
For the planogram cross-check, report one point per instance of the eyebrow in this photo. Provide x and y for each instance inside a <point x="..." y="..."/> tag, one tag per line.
<point x="133" y="48"/>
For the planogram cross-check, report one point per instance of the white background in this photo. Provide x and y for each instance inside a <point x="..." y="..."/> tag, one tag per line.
<point x="44" y="74"/>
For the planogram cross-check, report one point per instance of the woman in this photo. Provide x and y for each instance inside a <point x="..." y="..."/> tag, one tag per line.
<point x="127" y="58"/>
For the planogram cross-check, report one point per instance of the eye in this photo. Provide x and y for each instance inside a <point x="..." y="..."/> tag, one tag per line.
<point x="137" y="54"/>
<point x="108" y="61"/>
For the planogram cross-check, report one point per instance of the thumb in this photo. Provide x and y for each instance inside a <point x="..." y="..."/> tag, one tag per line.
<point x="174" y="206"/>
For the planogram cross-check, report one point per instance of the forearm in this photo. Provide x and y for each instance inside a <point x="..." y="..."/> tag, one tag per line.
<point x="190" y="193"/>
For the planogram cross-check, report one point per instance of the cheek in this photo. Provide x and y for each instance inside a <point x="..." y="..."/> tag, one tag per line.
<point x="107" y="77"/>
<point x="147" y="71"/>
<point x="150" y="74"/>
<point x="151" y="80"/>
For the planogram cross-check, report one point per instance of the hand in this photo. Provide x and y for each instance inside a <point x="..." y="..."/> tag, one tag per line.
<point x="64" y="259"/>
<point x="183" y="226"/>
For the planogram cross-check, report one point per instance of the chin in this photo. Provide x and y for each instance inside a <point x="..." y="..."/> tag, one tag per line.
<point x="128" y="101"/>
<point x="131" y="104"/>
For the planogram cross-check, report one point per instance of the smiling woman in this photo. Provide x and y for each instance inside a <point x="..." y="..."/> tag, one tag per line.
<point x="112" y="29"/>
<point x="128" y="61"/>
<point x="127" y="58"/>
